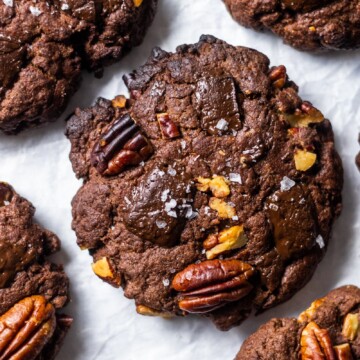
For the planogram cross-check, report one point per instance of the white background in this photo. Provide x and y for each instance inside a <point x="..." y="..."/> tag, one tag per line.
<point x="106" y="326"/>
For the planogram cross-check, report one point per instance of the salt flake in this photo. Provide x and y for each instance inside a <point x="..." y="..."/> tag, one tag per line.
<point x="286" y="184"/>
<point x="160" y="224"/>
<point x="65" y="7"/>
<point x="127" y="200"/>
<point x="171" y="171"/>
<point x="222" y="125"/>
<point x="35" y="11"/>
<point x="235" y="178"/>
<point x="164" y="195"/>
<point x="320" y="241"/>
<point x="166" y="282"/>
<point x="9" y="3"/>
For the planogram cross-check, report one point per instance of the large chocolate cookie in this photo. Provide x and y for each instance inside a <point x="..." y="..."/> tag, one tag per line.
<point x="305" y="24"/>
<point x="32" y="289"/>
<point x="44" y="45"/>
<point x="212" y="190"/>
<point x="328" y="329"/>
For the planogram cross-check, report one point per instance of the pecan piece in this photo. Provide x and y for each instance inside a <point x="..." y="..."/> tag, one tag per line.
<point x="104" y="270"/>
<point x="26" y="328"/>
<point x="218" y="185"/>
<point x="121" y="146"/>
<point x="316" y="343"/>
<point x="343" y="352"/>
<point x="351" y="326"/>
<point x="146" y="311"/>
<point x="169" y="130"/>
<point x="211" y="284"/>
<point x="228" y="239"/>
<point x="306" y="115"/>
<point x="6" y="193"/>
<point x="278" y="76"/>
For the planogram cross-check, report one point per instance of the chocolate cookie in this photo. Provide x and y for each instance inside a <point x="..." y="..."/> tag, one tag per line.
<point x="32" y="289"/>
<point x="44" y="45"/>
<point x="212" y="190"/>
<point x="305" y="24"/>
<point x="328" y="329"/>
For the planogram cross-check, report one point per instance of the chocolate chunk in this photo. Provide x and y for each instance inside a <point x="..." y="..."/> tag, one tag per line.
<point x="217" y="104"/>
<point x="289" y="211"/>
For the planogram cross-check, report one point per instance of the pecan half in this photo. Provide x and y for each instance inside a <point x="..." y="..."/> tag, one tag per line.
<point x="211" y="284"/>
<point x="26" y="328"/>
<point x="121" y="146"/>
<point x="169" y="130"/>
<point x="316" y="343"/>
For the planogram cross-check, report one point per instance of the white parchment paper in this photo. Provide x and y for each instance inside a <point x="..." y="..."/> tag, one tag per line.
<point x="106" y="326"/>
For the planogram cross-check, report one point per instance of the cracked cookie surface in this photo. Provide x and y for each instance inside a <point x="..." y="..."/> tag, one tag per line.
<point x="308" y="25"/>
<point x="206" y="219"/>
<point x="45" y="44"/>
<point x="29" y="283"/>
<point x="328" y="329"/>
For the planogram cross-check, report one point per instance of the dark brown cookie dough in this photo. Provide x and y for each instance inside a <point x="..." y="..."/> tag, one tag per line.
<point x="214" y="165"/>
<point x="32" y="289"/>
<point x="45" y="44"/>
<point x="305" y="24"/>
<point x="329" y="329"/>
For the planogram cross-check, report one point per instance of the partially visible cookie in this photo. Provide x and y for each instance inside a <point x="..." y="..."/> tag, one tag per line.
<point x="305" y="24"/>
<point x="212" y="190"/>
<point x="44" y="46"/>
<point x="32" y="289"/>
<point x="329" y="329"/>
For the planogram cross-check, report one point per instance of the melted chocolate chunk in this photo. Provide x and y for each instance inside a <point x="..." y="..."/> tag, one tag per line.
<point x="217" y="104"/>
<point x="292" y="217"/>
<point x="157" y="208"/>
<point x="14" y="258"/>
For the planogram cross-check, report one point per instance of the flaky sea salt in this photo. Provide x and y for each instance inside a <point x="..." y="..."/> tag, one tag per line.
<point x="183" y="144"/>
<point x="164" y="195"/>
<point x="206" y="210"/>
<point x="172" y="213"/>
<point x="166" y="282"/>
<point x="65" y="6"/>
<point x="6" y="203"/>
<point x="235" y="178"/>
<point x="320" y="241"/>
<point x="127" y="200"/>
<point x="170" y="205"/>
<point x="171" y="171"/>
<point x="222" y="124"/>
<point x="35" y="11"/>
<point x="286" y="184"/>
<point x="235" y="218"/>
<point x="9" y="3"/>
<point x="160" y="224"/>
